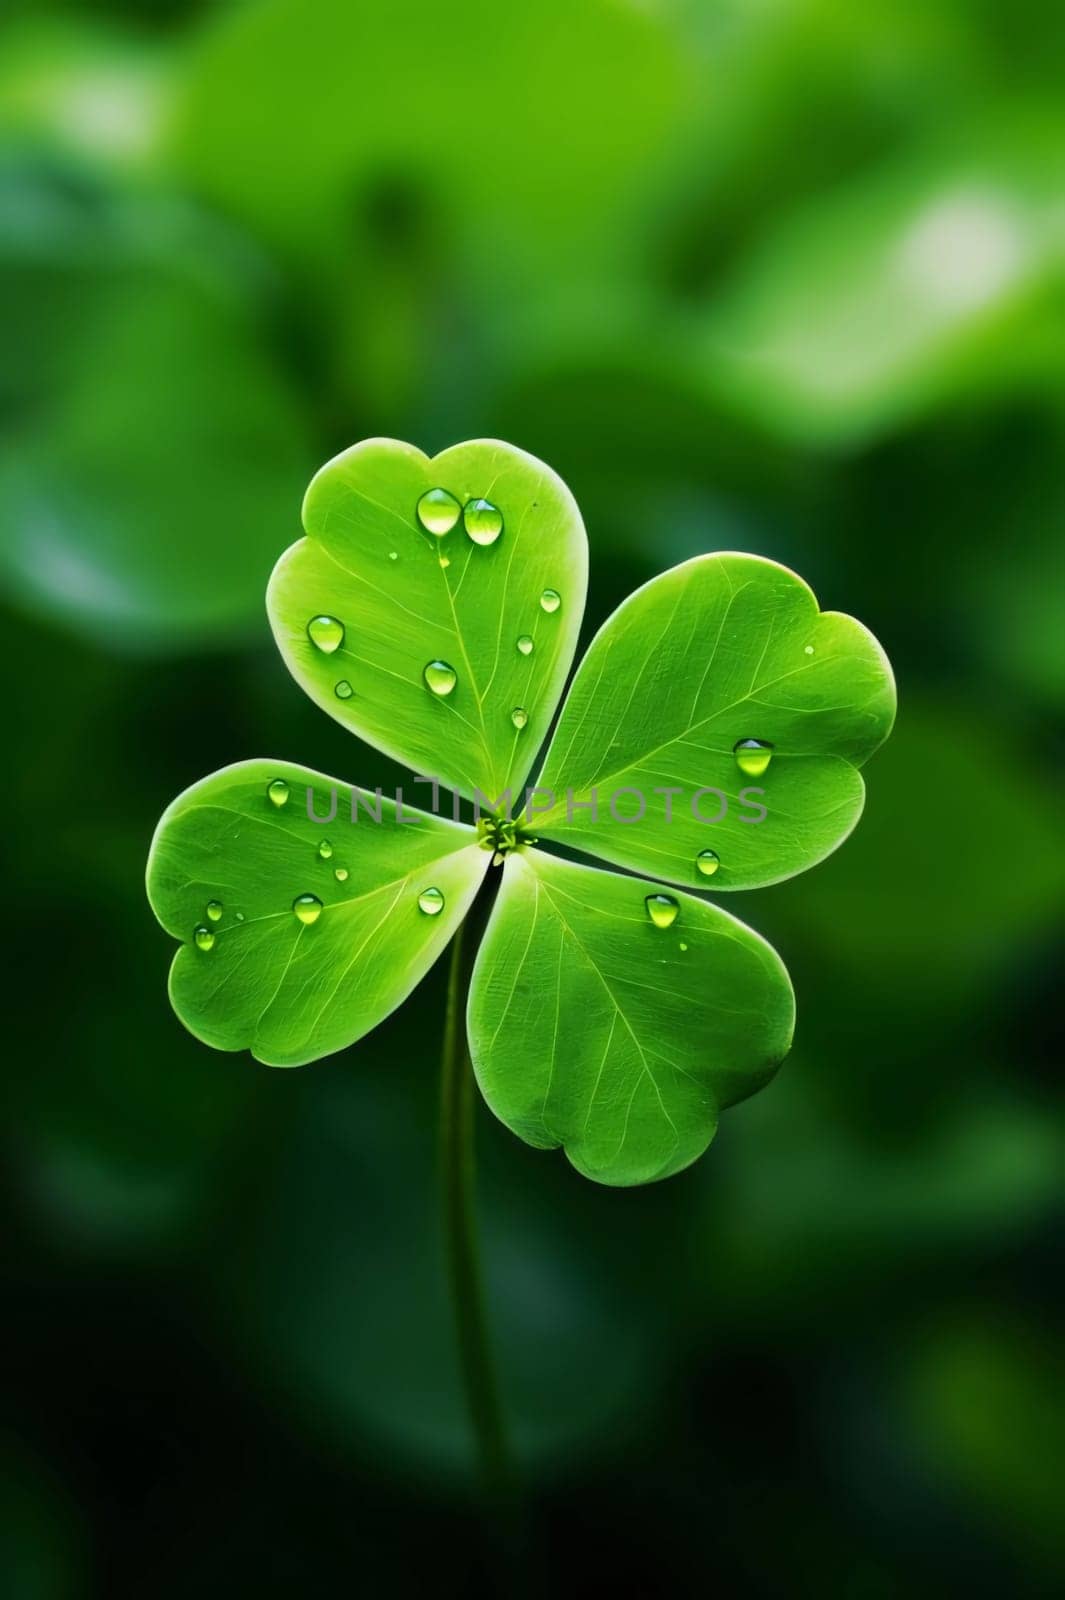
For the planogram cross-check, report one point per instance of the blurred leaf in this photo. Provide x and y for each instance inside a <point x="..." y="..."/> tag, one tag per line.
<point x="406" y="598"/>
<point x="44" y="1547"/>
<point x="593" y="1028"/>
<point x="474" y="186"/>
<point x="720" y="650"/>
<point x="956" y="852"/>
<point x="988" y="1394"/>
<point x="143" y="498"/>
<point x="533" y="131"/>
<point x="799" y="1199"/>
<point x="1014" y="582"/>
<point x="74" y="86"/>
<point x="924" y="285"/>
<point x="297" y="971"/>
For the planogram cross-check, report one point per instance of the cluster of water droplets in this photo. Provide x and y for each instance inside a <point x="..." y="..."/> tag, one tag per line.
<point x="204" y="934"/>
<point x="439" y="511"/>
<point x="306" y="907"/>
<point x="324" y="852"/>
<point x="326" y="633"/>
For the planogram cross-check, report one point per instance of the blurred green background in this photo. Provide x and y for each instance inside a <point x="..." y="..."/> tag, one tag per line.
<point x="772" y="275"/>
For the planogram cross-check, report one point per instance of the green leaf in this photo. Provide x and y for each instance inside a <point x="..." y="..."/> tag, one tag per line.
<point x="407" y="598"/>
<point x="98" y="93"/>
<point x="272" y="984"/>
<point x="721" y="649"/>
<point x="529" y="197"/>
<point x="592" y="1028"/>
<point x="143" y="499"/>
<point x="932" y="282"/>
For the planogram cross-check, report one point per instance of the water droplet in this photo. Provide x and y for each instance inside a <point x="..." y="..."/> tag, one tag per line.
<point x="519" y="716"/>
<point x="240" y="916"/>
<point x="662" y="909"/>
<point x="308" y="908"/>
<point x="343" y="690"/>
<point x="326" y="634"/>
<point x="683" y="945"/>
<point x="431" y="901"/>
<point x="340" y="874"/>
<point x="550" y="600"/>
<point x="525" y="645"/>
<point x="214" y="910"/>
<point x="440" y="678"/>
<point x="393" y="555"/>
<point x="325" y="850"/>
<point x="752" y="756"/>
<point x="277" y="792"/>
<point x="445" y="561"/>
<point x="438" y="512"/>
<point x="482" y="520"/>
<point x="809" y="650"/>
<point x="708" y="861"/>
<point x="204" y="939"/>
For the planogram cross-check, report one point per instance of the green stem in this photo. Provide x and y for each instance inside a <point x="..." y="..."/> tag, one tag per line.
<point x="460" y="1234"/>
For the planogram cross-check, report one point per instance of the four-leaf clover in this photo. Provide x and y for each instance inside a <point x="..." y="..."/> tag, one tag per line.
<point x="711" y="739"/>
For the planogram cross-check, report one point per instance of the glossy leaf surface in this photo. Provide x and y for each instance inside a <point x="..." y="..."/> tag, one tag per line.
<point x="287" y="989"/>
<point x="409" y="599"/>
<point x="593" y="1028"/>
<point x="722" y="649"/>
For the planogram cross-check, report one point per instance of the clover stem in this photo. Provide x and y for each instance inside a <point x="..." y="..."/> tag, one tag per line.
<point x="457" y="1161"/>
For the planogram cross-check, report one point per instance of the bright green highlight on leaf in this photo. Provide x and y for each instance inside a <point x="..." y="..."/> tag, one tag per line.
<point x="317" y="961"/>
<point x="406" y="615"/>
<point x="909" y="288"/>
<point x="593" y="1028"/>
<point x="433" y="608"/>
<point x="723" y="651"/>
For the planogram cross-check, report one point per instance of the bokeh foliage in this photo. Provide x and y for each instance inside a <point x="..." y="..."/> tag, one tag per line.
<point x="785" y="279"/>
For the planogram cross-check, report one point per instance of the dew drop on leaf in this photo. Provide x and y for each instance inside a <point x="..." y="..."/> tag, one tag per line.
<point x="483" y="521"/>
<point x="438" y="512"/>
<point x="662" y="909"/>
<point x="525" y="645"/>
<point x="214" y="910"/>
<point x="326" y="634"/>
<point x="277" y="792"/>
<point x="519" y="716"/>
<point x="308" y="908"/>
<point x="204" y="938"/>
<point x="550" y="600"/>
<point x="707" y="862"/>
<point x="809" y="650"/>
<point x="752" y="756"/>
<point x="340" y="874"/>
<point x="431" y="901"/>
<point x="343" y="690"/>
<point x="325" y="850"/>
<point x="440" y="677"/>
<point x="393" y="555"/>
<point x="240" y="916"/>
